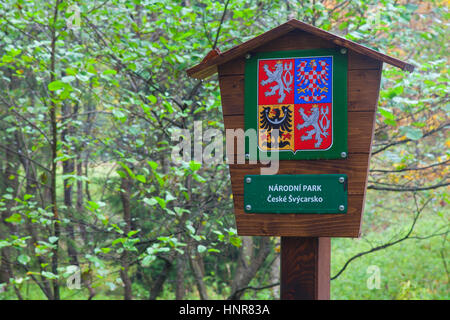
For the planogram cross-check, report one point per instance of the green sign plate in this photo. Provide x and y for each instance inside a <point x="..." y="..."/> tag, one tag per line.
<point x="306" y="193"/>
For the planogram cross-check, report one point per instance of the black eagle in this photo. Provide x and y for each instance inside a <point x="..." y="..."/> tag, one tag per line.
<point x="283" y="123"/>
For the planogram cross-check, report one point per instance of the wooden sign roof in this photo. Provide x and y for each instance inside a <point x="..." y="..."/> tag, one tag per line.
<point x="215" y="58"/>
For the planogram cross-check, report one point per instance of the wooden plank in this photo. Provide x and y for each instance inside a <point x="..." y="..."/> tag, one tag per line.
<point x="356" y="61"/>
<point x="232" y="94"/>
<point x="363" y="90"/>
<point x="300" y="225"/>
<point x="233" y="67"/>
<point x="295" y="40"/>
<point x="355" y="166"/>
<point x="305" y="268"/>
<point x="360" y="124"/>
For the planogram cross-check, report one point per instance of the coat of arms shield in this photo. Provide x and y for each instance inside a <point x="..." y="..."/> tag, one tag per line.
<point x="294" y="93"/>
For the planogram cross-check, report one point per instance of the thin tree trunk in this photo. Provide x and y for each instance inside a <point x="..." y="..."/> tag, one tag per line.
<point x="275" y="276"/>
<point x="6" y="272"/>
<point x="245" y="259"/>
<point x="199" y="273"/>
<point x="246" y="272"/>
<point x="179" y="287"/>
<point x="157" y="287"/>
<point x="125" y="197"/>
<point x="54" y="146"/>
<point x="68" y="169"/>
<point x="31" y="187"/>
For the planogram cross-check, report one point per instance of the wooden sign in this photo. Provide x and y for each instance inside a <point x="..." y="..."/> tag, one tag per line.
<point x="303" y="94"/>
<point x="349" y="75"/>
<point x="311" y="97"/>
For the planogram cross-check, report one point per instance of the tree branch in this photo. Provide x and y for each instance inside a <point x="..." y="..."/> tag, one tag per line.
<point x="386" y="245"/>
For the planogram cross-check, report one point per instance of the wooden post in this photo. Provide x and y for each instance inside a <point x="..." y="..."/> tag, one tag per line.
<point x="305" y="268"/>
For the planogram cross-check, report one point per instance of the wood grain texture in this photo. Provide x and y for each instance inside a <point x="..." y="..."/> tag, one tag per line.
<point x="305" y="268"/>
<point x="234" y="67"/>
<point x="357" y="132"/>
<point x="306" y="225"/>
<point x="363" y="89"/>
<point x="232" y="94"/>
<point x="355" y="167"/>
<point x="356" y="61"/>
<point x="295" y="40"/>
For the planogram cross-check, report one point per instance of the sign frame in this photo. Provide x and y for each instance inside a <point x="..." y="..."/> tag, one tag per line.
<point x="339" y="147"/>
<point x="295" y="194"/>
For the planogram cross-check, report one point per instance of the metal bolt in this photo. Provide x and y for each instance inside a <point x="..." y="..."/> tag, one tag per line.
<point x="248" y="56"/>
<point x="341" y="179"/>
<point x="248" y="207"/>
<point x="248" y="179"/>
<point x="343" y="50"/>
<point x="343" y="154"/>
<point x="341" y="207"/>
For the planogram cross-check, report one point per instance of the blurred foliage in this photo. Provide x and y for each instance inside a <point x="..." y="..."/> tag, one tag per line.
<point x="133" y="221"/>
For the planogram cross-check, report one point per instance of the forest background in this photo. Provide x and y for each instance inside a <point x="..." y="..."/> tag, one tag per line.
<point x="91" y="205"/>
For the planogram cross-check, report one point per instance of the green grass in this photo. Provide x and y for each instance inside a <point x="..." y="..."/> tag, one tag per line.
<point x="412" y="269"/>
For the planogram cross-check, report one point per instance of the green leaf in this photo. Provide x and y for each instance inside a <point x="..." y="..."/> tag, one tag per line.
<point x="386" y="113"/>
<point x="141" y="178"/>
<point x="236" y="241"/>
<point x="391" y="93"/>
<point x="152" y="98"/>
<point x="8" y="196"/>
<point x="118" y="240"/>
<point x="109" y="72"/>
<point x="132" y="233"/>
<point x="68" y="79"/>
<point x="49" y="275"/>
<point x="169" y="197"/>
<point x="53" y="239"/>
<point x="152" y="164"/>
<point x="23" y="259"/>
<point x="150" y="202"/>
<point x="14" y="218"/>
<point x="195" y="165"/>
<point x="147" y="260"/>
<point x="412" y="133"/>
<point x="71" y="71"/>
<point x="56" y="85"/>
<point x="201" y="248"/>
<point x="161" y="202"/>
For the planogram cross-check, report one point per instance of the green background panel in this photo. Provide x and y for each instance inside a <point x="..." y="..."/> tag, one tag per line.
<point x="333" y="193"/>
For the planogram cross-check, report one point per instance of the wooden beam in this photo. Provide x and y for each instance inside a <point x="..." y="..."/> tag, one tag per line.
<point x="305" y="268"/>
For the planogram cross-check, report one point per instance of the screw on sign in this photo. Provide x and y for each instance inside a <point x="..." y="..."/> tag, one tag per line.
<point x="299" y="88"/>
